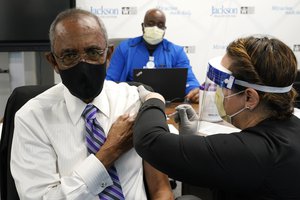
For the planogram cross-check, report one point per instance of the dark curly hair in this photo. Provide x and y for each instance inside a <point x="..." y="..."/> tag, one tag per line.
<point x="266" y="61"/>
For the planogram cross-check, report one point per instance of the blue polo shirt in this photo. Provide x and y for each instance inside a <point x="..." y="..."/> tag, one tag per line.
<point x="133" y="54"/>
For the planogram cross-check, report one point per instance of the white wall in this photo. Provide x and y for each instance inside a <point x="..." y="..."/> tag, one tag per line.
<point x="204" y="27"/>
<point x="21" y="66"/>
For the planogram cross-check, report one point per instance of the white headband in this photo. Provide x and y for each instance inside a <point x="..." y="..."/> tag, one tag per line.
<point x="263" y="88"/>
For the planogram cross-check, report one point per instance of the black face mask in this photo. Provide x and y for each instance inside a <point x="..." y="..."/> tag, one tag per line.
<point x="84" y="80"/>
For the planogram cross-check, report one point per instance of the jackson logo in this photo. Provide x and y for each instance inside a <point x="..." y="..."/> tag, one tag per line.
<point x="247" y="10"/>
<point x="190" y="49"/>
<point x="296" y="47"/>
<point x="104" y="12"/>
<point x="222" y="11"/>
<point x="129" y="10"/>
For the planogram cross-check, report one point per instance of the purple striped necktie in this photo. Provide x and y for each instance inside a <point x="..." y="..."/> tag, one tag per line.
<point x="95" y="138"/>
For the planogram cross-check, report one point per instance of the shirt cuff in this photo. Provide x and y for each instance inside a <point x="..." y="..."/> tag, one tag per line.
<point x="94" y="174"/>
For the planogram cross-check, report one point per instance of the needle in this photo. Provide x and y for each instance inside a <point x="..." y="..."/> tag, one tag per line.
<point x="172" y="114"/>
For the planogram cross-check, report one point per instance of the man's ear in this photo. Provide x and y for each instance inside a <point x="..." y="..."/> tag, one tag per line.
<point x="110" y="51"/>
<point x="143" y="27"/>
<point x="252" y="98"/>
<point x="52" y="61"/>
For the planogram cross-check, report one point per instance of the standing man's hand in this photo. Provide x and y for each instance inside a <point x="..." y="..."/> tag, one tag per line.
<point x="193" y="96"/>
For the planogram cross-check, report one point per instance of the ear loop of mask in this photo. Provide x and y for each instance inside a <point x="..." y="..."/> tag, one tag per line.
<point x="229" y="117"/>
<point x="220" y="104"/>
<point x="234" y="94"/>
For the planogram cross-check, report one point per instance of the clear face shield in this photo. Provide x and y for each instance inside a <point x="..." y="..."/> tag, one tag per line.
<point x="218" y="77"/>
<point x="218" y="80"/>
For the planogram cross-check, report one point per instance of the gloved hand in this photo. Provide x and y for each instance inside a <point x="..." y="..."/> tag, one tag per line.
<point x="146" y="94"/>
<point x="187" y="119"/>
<point x="143" y="93"/>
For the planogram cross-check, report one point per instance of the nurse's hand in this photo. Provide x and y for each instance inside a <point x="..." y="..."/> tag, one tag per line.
<point x="146" y="94"/>
<point x="187" y="119"/>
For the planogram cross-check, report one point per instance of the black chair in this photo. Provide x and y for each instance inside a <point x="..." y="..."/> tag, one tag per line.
<point x="115" y="41"/>
<point x="16" y="100"/>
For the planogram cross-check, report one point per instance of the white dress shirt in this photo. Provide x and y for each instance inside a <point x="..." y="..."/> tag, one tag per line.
<point x="49" y="157"/>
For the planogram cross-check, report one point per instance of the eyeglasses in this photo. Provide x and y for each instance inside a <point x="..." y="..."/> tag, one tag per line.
<point x="91" y="55"/>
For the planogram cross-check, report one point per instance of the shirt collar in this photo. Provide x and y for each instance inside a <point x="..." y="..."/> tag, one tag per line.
<point x="76" y="106"/>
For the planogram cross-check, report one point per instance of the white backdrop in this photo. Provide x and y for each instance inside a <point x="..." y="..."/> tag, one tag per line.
<point x="203" y="27"/>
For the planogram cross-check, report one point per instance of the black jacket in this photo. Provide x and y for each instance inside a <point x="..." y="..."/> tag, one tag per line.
<point x="261" y="162"/>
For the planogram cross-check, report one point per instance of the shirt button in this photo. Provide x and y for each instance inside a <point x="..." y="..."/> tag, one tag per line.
<point x="103" y="184"/>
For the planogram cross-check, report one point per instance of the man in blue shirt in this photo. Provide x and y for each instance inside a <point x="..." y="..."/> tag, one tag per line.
<point x="142" y="51"/>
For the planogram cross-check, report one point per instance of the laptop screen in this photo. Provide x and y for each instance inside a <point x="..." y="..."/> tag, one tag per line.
<point x="169" y="82"/>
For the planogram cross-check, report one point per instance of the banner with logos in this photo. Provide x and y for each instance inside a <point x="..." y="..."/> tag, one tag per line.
<point x="203" y="28"/>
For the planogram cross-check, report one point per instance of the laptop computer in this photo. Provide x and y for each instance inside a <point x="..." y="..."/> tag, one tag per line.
<point x="169" y="82"/>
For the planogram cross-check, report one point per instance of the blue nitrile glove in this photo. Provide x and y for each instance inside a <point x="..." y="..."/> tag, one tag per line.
<point x="187" y="119"/>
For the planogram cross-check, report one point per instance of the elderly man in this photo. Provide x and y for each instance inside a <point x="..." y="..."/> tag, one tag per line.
<point x="65" y="144"/>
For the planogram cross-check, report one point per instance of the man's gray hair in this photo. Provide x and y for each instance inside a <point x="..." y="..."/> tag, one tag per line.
<point x="74" y="12"/>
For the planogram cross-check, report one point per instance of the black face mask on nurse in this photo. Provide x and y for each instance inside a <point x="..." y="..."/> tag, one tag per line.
<point x="84" y="80"/>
